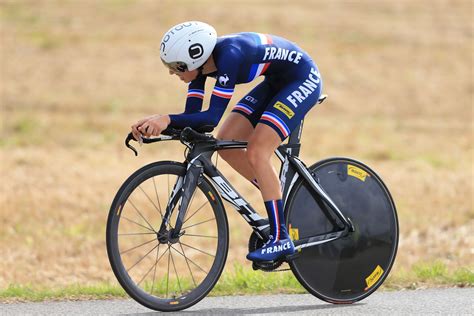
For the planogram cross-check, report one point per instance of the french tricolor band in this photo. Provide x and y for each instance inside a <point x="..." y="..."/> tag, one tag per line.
<point x="196" y="93"/>
<point x="242" y="108"/>
<point x="223" y="92"/>
<point x="277" y="123"/>
<point x="259" y="69"/>
<point x="277" y="220"/>
<point x="262" y="39"/>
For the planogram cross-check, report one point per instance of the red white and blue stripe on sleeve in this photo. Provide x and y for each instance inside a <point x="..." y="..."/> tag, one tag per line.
<point x="222" y="92"/>
<point x="196" y="93"/>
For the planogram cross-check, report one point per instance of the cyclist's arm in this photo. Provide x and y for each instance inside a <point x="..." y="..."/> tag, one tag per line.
<point x="221" y="94"/>
<point x="195" y="95"/>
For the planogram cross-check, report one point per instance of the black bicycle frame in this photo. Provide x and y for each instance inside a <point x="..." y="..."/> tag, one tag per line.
<point x="199" y="162"/>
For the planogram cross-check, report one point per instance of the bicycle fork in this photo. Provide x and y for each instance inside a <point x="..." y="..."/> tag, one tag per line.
<point x="182" y="191"/>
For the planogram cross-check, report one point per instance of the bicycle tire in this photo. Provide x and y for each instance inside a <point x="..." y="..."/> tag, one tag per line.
<point x="351" y="268"/>
<point x="123" y="206"/>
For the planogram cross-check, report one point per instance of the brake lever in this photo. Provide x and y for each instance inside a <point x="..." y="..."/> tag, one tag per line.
<point x="127" y="143"/>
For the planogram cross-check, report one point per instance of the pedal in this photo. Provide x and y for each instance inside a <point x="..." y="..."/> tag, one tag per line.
<point x="266" y="265"/>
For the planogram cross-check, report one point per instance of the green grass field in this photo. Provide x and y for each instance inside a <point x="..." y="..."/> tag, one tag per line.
<point x="75" y="75"/>
<point x="244" y="281"/>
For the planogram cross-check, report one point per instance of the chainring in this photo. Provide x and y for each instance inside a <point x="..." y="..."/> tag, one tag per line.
<point x="255" y="242"/>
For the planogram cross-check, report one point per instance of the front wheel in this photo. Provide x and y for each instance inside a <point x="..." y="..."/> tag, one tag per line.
<point x="157" y="269"/>
<point x="351" y="268"/>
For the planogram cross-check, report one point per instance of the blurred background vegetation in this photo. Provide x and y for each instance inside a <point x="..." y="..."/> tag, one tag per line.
<point x="76" y="74"/>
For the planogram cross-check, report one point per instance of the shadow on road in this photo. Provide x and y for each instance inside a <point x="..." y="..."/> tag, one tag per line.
<point x="250" y="311"/>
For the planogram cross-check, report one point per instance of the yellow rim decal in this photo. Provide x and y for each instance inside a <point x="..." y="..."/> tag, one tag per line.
<point x="373" y="277"/>
<point x="174" y="302"/>
<point x="119" y="209"/>
<point x="294" y="234"/>
<point x="212" y="196"/>
<point x="357" y="172"/>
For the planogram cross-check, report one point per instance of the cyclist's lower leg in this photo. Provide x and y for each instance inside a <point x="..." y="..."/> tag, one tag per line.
<point x="262" y="144"/>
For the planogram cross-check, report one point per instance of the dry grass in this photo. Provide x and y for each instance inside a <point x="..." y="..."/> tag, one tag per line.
<point x="76" y="74"/>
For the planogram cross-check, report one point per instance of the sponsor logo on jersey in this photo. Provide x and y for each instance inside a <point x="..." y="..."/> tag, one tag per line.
<point x="284" y="108"/>
<point x="251" y="99"/>
<point x="307" y="88"/>
<point x="223" y="80"/>
<point x="274" y="53"/>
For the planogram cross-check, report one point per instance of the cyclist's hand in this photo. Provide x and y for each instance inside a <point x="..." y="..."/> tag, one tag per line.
<point x="135" y="132"/>
<point x="154" y="125"/>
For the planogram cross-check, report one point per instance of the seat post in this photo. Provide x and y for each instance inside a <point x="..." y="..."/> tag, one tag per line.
<point x="295" y="136"/>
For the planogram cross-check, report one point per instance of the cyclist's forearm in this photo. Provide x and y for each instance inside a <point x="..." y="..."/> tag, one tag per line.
<point x="210" y="117"/>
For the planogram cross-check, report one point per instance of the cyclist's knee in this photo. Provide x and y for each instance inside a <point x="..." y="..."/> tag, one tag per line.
<point x="257" y="155"/>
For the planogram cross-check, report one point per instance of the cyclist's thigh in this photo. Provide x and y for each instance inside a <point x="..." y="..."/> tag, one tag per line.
<point x="254" y="103"/>
<point x="293" y="101"/>
<point x="235" y="127"/>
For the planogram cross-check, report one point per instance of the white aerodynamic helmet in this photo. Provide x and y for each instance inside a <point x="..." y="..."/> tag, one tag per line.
<point x="188" y="45"/>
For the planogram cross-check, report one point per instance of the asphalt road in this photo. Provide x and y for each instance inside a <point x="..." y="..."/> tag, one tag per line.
<point x="453" y="301"/>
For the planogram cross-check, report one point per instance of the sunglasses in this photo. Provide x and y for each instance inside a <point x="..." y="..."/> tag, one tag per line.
<point x="176" y="66"/>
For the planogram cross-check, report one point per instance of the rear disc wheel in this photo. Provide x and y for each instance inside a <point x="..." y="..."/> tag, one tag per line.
<point x="348" y="269"/>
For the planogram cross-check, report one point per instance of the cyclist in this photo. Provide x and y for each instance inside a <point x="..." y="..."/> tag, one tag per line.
<point x="264" y="117"/>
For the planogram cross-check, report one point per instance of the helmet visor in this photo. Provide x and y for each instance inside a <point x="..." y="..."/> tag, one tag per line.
<point x="176" y="66"/>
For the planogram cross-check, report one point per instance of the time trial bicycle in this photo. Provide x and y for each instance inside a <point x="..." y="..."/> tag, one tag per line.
<point x="168" y="236"/>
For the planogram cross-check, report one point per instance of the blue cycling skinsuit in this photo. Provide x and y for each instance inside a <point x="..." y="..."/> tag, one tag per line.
<point x="291" y="87"/>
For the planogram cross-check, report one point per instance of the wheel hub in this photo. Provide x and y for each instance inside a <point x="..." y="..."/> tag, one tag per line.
<point x="169" y="236"/>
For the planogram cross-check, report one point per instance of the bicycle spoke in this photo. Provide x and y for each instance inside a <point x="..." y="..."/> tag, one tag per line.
<point x="168" y="276"/>
<point x="157" y="197"/>
<point x="187" y="263"/>
<point x="197" y="249"/>
<point x="184" y="255"/>
<point x="131" y="234"/>
<point x="139" y="213"/>
<point x="156" y="263"/>
<point x="154" y="271"/>
<point x="151" y="201"/>
<point x="196" y="211"/>
<point x="157" y="246"/>
<point x="143" y="278"/>
<point x="147" y="228"/>
<point x="199" y="223"/>
<point x="176" y="272"/>
<point x="200" y="236"/>
<point x="146" y="242"/>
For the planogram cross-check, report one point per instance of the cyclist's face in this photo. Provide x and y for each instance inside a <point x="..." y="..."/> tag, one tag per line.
<point x="186" y="76"/>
